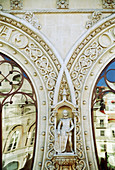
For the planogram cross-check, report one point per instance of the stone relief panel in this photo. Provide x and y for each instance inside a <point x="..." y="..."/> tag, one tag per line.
<point x="109" y="4"/>
<point x="16" y="4"/>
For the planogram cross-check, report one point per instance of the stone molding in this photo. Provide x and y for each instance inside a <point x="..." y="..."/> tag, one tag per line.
<point x="42" y="11"/>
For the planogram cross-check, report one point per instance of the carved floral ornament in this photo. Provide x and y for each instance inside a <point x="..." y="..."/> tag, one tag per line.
<point x="109" y="4"/>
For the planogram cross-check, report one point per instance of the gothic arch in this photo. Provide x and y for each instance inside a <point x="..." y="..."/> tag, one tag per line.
<point x="87" y="58"/>
<point x="34" y="53"/>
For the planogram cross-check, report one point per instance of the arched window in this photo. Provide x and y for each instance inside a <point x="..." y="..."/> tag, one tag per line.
<point x="103" y="114"/>
<point x="13" y="141"/>
<point x="18" y="106"/>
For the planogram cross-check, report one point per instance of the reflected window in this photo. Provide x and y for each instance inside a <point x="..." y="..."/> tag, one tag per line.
<point x="13" y="141"/>
<point x="32" y="137"/>
<point x="103" y="112"/>
<point x="102" y="133"/>
<point x="101" y="122"/>
<point x="19" y="107"/>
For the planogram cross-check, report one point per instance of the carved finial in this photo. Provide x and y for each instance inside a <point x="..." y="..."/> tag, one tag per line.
<point x="64" y="94"/>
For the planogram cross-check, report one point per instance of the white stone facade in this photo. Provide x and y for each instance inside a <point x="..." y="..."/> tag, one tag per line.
<point x="60" y="48"/>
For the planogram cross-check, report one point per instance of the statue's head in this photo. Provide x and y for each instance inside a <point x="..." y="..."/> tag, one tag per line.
<point x="65" y="113"/>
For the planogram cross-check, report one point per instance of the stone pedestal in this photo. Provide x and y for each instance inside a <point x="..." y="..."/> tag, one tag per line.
<point x="65" y="161"/>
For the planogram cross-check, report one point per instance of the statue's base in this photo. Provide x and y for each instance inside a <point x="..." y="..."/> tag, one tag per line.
<point x="65" y="159"/>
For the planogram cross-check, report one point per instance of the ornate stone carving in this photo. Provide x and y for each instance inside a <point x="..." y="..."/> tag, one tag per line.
<point x="88" y="39"/>
<point x="32" y="19"/>
<point x="64" y="85"/>
<point x="6" y="32"/>
<point x="84" y="58"/>
<point x="62" y="4"/>
<point x="16" y="4"/>
<point x="109" y="4"/>
<point x="95" y="17"/>
<point x="63" y="127"/>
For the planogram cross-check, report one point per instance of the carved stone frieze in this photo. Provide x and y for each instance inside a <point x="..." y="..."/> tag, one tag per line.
<point x="109" y="4"/>
<point x="16" y="4"/>
<point x="62" y="4"/>
<point x="94" y="18"/>
<point x="32" y="19"/>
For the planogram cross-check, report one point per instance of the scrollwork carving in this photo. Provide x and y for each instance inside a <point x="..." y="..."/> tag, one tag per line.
<point x="95" y="17"/>
<point x="32" y="19"/>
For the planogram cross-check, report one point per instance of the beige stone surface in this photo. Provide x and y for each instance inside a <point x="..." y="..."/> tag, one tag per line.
<point x="63" y="30"/>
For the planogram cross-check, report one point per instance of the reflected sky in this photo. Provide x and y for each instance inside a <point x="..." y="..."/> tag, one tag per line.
<point x="110" y="75"/>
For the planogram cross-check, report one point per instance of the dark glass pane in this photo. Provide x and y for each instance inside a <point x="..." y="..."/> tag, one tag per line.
<point x="103" y="111"/>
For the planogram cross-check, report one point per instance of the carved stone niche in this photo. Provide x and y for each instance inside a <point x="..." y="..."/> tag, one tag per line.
<point x="65" y="118"/>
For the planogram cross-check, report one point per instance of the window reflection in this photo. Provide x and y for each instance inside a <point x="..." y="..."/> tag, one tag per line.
<point x="103" y="108"/>
<point x="18" y="101"/>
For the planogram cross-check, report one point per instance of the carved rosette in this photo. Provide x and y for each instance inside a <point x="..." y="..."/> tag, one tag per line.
<point x="109" y="4"/>
<point x="16" y="4"/>
<point x="62" y="4"/>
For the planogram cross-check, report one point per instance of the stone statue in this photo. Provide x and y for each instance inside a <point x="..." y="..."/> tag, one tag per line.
<point x="64" y="133"/>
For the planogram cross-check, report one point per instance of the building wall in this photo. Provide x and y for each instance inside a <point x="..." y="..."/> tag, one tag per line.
<point x="71" y="46"/>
